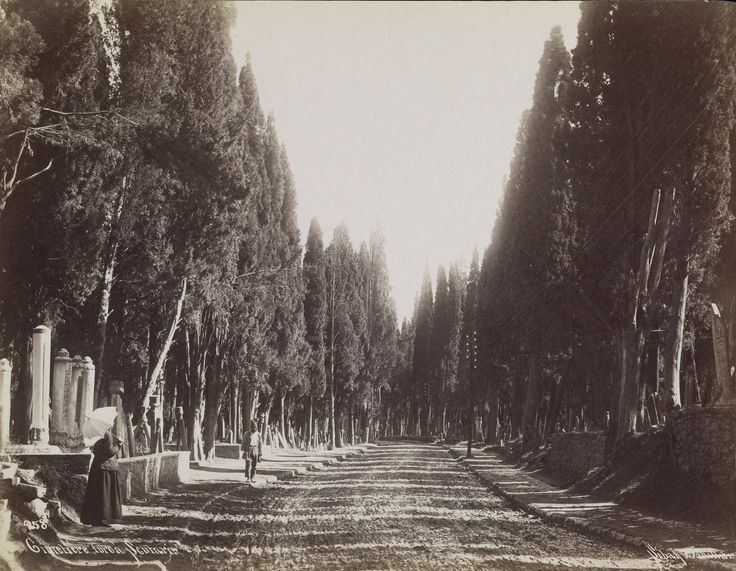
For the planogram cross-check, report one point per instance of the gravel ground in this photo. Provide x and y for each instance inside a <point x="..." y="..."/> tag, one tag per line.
<point x="399" y="506"/>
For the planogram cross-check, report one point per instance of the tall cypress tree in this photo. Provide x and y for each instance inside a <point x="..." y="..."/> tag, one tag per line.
<point x="422" y="362"/>
<point x="20" y="95"/>
<point x="380" y="329"/>
<point x="342" y="337"/>
<point x="315" y="316"/>
<point x="698" y="166"/>
<point x="56" y="273"/>
<point x="451" y="359"/>
<point x="440" y="345"/>
<point x="639" y="133"/>
<point x="544" y="238"/>
<point x="468" y="362"/>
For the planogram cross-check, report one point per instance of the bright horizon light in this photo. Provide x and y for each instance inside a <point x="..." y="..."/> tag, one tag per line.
<point x="399" y="116"/>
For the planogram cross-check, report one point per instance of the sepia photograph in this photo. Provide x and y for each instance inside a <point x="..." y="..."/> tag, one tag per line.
<point x="354" y="286"/>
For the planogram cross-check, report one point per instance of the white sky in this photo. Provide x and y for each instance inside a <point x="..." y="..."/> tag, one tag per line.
<point x="401" y="116"/>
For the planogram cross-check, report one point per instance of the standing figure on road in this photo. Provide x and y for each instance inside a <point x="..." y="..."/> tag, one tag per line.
<point x="252" y="450"/>
<point x="102" y="504"/>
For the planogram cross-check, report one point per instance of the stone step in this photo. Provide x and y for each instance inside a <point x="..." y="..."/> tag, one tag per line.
<point x="8" y="470"/>
<point x="38" y="508"/>
<point x="27" y="476"/>
<point x="30" y="491"/>
<point x="9" y="550"/>
<point x="5" y="517"/>
<point x="6" y="487"/>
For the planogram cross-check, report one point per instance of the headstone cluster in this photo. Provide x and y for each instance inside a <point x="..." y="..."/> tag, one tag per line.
<point x="71" y="397"/>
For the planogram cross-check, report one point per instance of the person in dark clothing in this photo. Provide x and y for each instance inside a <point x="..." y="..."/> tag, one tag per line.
<point x="252" y="450"/>
<point x="102" y="503"/>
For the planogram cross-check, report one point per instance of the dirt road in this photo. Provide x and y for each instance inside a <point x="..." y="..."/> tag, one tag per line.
<point x="399" y="506"/>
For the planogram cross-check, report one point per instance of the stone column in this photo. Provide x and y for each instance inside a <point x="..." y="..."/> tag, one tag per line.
<point x="5" y="371"/>
<point x="71" y="412"/>
<point x="62" y="376"/>
<point x="41" y="384"/>
<point x="87" y="392"/>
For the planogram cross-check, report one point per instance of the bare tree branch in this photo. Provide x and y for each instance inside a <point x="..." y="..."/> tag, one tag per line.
<point x="34" y="175"/>
<point x="9" y="186"/>
<point x="88" y="113"/>
<point x="33" y="130"/>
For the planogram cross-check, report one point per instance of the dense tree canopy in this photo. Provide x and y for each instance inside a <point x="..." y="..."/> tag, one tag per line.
<point x="148" y="215"/>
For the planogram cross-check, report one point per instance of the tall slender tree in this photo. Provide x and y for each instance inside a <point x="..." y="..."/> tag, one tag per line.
<point x="422" y="358"/>
<point x="315" y="317"/>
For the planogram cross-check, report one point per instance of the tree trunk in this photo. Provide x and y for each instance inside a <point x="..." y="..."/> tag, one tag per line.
<point x="366" y="426"/>
<point x="215" y="388"/>
<point x="649" y="378"/>
<point x="351" y="426"/>
<point x="195" y="439"/>
<point x="332" y="405"/>
<point x="310" y="421"/>
<point x="102" y="316"/>
<point x="232" y="414"/>
<point x="265" y="431"/>
<point x="696" y="396"/>
<point x="531" y="404"/>
<point x="380" y="425"/>
<point x="443" y="431"/>
<point x="643" y="288"/>
<point x="106" y="282"/>
<point x="282" y="415"/>
<point x="674" y="349"/>
<point x="632" y="345"/>
<point x="517" y="399"/>
<point x="492" y="436"/>
<point x="152" y="380"/>
<point x="470" y="428"/>
<point x="130" y="436"/>
<point x="196" y="346"/>
<point x="424" y="415"/>
<point x="212" y="407"/>
<point x="21" y="404"/>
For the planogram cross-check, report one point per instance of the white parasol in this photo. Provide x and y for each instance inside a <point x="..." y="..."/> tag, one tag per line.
<point x="98" y="422"/>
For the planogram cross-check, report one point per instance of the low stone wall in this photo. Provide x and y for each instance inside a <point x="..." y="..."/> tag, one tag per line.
<point x="143" y="474"/>
<point x="226" y="450"/>
<point x="574" y="454"/>
<point x="704" y="443"/>
<point x="73" y="463"/>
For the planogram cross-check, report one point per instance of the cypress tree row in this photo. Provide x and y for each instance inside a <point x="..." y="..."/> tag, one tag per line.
<point x="148" y="215"/>
<point x="165" y="243"/>
<point x="612" y="240"/>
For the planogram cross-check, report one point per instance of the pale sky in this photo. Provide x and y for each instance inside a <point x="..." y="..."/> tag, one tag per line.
<point x="401" y="116"/>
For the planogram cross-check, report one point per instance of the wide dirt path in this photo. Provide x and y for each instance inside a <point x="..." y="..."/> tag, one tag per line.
<point x="399" y="506"/>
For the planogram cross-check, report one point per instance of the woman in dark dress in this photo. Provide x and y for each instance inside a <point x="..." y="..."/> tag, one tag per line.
<point x="102" y="498"/>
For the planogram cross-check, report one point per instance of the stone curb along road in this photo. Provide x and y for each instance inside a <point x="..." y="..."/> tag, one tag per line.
<point x="276" y="474"/>
<point x="273" y="474"/>
<point x="576" y="523"/>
